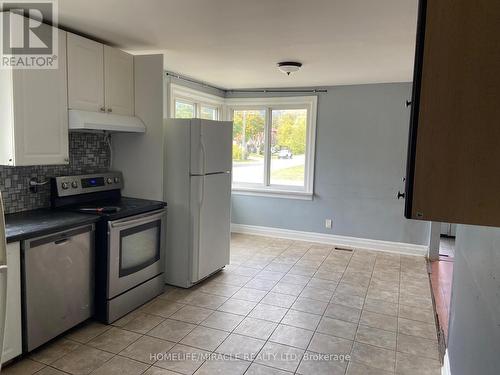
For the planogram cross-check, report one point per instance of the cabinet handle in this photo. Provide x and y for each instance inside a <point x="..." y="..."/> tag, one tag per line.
<point x="408" y="103"/>
<point x="401" y="195"/>
<point x="110" y="110"/>
<point x="102" y="109"/>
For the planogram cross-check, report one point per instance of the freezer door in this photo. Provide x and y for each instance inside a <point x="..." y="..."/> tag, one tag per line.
<point x="211" y="210"/>
<point x="211" y="146"/>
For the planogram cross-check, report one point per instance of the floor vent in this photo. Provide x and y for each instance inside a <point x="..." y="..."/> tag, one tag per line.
<point x="342" y="248"/>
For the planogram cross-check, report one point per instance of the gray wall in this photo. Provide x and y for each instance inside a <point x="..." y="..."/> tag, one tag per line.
<point x="474" y="333"/>
<point x="360" y="161"/>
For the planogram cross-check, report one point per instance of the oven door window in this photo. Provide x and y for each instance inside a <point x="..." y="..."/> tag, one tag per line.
<point x="139" y="247"/>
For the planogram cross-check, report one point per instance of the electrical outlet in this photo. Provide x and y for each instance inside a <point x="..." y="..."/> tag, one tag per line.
<point x="328" y="223"/>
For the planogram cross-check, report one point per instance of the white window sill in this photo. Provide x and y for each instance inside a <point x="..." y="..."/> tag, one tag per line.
<point x="273" y="193"/>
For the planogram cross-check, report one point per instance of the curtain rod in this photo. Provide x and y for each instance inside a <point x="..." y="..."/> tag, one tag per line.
<point x="279" y="91"/>
<point x="265" y="91"/>
<point x="178" y="76"/>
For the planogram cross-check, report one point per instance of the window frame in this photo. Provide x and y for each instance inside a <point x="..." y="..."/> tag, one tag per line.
<point x="197" y="98"/>
<point x="279" y="103"/>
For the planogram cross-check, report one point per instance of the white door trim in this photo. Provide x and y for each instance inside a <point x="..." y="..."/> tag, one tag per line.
<point x="344" y="241"/>
<point x="434" y="240"/>
<point x="446" y="370"/>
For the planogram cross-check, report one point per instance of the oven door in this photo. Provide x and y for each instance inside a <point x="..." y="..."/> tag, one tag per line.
<point x="135" y="251"/>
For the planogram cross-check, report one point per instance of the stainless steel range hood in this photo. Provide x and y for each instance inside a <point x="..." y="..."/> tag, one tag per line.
<point x="87" y="121"/>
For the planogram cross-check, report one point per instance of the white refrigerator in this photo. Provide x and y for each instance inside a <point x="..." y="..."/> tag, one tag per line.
<point x="197" y="179"/>
<point x="3" y="278"/>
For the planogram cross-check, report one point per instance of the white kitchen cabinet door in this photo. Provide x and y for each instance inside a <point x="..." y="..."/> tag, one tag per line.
<point x="85" y="74"/>
<point x="12" y="344"/>
<point x="38" y="114"/>
<point x="119" y="81"/>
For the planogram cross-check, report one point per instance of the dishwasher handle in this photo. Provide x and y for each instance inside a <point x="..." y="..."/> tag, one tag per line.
<point x="59" y="238"/>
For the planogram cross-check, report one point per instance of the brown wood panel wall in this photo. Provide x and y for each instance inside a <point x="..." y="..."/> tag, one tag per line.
<point x="457" y="158"/>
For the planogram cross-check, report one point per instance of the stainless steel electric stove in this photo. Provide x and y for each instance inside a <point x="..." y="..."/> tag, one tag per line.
<point x="130" y="240"/>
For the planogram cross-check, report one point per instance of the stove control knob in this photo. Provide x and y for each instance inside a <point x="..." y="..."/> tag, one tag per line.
<point x="117" y="180"/>
<point x="74" y="184"/>
<point x="65" y="185"/>
<point x="109" y="180"/>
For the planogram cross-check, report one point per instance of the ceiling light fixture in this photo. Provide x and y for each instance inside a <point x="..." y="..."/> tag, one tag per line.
<point x="289" y="66"/>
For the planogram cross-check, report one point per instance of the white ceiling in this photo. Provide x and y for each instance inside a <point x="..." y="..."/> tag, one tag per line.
<point x="236" y="43"/>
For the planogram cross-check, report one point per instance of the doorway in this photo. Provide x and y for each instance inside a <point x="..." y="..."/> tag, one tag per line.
<point x="441" y="256"/>
<point x="447" y="240"/>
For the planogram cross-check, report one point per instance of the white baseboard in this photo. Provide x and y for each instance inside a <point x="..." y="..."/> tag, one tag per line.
<point x="445" y="370"/>
<point x="330" y="239"/>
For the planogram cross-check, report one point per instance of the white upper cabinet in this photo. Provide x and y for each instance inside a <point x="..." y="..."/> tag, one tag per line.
<point x="85" y="74"/>
<point x="100" y="78"/>
<point x="34" y="113"/>
<point x="119" y="81"/>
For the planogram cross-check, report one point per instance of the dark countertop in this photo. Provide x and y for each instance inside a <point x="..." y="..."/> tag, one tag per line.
<point x="29" y="224"/>
<point x="128" y="206"/>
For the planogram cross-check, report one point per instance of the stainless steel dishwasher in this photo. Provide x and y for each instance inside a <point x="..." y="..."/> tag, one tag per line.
<point x="58" y="284"/>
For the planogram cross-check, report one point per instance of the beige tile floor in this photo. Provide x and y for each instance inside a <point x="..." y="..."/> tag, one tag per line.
<point x="280" y="307"/>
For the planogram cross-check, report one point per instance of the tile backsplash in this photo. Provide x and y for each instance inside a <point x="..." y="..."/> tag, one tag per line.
<point x="88" y="153"/>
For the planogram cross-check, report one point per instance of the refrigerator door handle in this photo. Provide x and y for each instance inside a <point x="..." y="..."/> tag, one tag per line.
<point x="202" y="190"/>
<point x="204" y="156"/>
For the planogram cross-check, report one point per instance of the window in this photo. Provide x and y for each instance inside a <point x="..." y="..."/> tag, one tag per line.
<point x="288" y="146"/>
<point x="209" y="113"/>
<point x="249" y="146"/>
<point x="188" y="103"/>
<point x="273" y="146"/>
<point x="184" y="109"/>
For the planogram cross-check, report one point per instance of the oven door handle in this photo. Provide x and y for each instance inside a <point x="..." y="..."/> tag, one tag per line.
<point x="150" y="216"/>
